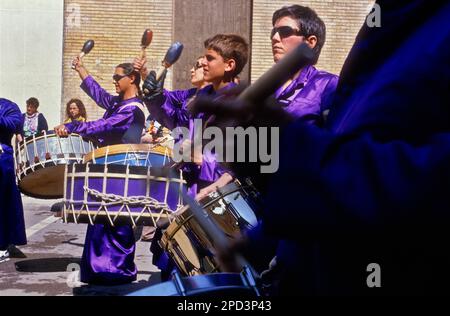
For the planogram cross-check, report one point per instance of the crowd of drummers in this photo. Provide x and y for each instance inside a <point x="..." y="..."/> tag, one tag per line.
<point x="357" y="179"/>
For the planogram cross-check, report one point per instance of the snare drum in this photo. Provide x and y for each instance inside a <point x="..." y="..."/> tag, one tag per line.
<point x="40" y="162"/>
<point x="120" y="194"/>
<point x="190" y="247"/>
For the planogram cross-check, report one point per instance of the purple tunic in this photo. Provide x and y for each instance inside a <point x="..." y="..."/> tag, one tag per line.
<point x="108" y="254"/>
<point x="119" y="116"/>
<point x="309" y="95"/>
<point x="171" y="111"/>
<point x="12" y="225"/>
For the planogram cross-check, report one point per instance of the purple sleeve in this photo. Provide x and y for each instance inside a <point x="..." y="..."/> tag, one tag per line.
<point x="331" y="184"/>
<point x="97" y="93"/>
<point x="169" y="109"/>
<point x="10" y="118"/>
<point x="211" y="170"/>
<point x="328" y="93"/>
<point x="118" y="122"/>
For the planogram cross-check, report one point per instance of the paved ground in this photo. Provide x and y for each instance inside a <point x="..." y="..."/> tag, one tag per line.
<point x="45" y="266"/>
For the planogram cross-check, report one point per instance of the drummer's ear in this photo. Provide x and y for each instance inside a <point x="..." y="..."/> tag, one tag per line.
<point x="133" y="79"/>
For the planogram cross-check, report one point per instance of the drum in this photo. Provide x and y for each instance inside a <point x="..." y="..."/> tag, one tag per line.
<point x="41" y="159"/>
<point x="131" y="154"/>
<point x="224" y="284"/>
<point x="187" y="243"/>
<point x="120" y="194"/>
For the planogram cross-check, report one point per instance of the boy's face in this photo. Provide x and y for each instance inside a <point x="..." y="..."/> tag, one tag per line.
<point x="214" y="66"/>
<point x="282" y="45"/>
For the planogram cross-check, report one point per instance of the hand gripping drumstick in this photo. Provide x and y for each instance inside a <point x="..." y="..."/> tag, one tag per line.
<point x="269" y="82"/>
<point x="87" y="47"/>
<point x="146" y="40"/>
<point x="172" y="56"/>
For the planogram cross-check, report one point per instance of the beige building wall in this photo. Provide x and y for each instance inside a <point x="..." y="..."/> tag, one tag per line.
<point x="117" y="28"/>
<point x="31" y="40"/>
<point x="343" y="19"/>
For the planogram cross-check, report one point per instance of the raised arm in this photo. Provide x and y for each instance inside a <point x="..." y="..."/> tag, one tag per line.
<point x="91" y="87"/>
<point x="168" y="108"/>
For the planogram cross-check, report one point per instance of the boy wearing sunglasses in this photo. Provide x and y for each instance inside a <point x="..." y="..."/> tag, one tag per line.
<point x="308" y="94"/>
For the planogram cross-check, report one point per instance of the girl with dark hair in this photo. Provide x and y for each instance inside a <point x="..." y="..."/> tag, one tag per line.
<point x="75" y="111"/>
<point x="108" y="255"/>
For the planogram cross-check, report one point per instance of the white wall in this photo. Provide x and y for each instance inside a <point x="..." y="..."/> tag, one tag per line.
<point x="31" y="48"/>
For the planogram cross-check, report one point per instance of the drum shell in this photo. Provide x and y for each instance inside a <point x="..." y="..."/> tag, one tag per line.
<point x="88" y="188"/>
<point x="189" y="245"/>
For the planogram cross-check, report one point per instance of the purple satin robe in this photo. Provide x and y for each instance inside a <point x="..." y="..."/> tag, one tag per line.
<point x="108" y="254"/>
<point x="309" y="96"/>
<point x="171" y="111"/>
<point x="12" y="224"/>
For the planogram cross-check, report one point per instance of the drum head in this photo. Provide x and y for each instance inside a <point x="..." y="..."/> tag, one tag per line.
<point x="127" y="148"/>
<point x="44" y="183"/>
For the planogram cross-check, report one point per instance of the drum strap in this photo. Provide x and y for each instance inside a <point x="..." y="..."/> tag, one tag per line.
<point x="136" y="104"/>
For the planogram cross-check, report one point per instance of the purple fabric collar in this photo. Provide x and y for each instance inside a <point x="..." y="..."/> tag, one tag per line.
<point x="299" y="82"/>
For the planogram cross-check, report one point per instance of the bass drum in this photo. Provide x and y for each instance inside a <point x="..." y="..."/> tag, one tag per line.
<point x="41" y="160"/>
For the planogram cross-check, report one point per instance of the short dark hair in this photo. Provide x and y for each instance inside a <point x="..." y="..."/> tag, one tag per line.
<point x="230" y="46"/>
<point x="33" y="102"/>
<point x="308" y="22"/>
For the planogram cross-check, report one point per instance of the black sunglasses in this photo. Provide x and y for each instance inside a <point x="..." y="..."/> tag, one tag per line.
<point x="285" y="31"/>
<point x="117" y="77"/>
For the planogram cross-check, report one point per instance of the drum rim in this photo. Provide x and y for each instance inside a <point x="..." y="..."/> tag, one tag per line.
<point x="39" y="136"/>
<point x="124" y="148"/>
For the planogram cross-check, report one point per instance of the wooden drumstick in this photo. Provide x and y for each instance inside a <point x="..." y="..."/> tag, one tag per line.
<point x="173" y="54"/>
<point x="87" y="47"/>
<point x="146" y="40"/>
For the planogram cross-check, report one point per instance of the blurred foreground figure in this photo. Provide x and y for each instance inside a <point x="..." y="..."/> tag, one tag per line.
<point x="12" y="225"/>
<point x="372" y="186"/>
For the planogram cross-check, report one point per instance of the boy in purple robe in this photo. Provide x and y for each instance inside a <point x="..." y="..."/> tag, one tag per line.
<point x="108" y="255"/>
<point x="225" y="57"/>
<point x="309" y="92"/>
<point x="12" y="224"/>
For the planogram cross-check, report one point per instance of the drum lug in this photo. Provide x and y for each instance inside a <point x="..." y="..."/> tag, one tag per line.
<point x="176" y="278"/>
<point x="249" y="277"/>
